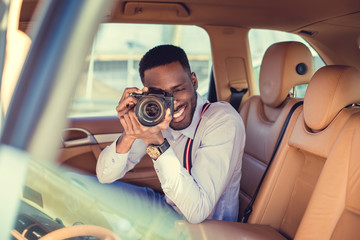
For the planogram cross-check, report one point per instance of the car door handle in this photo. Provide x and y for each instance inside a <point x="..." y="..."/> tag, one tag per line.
<point x="77" y="137"/>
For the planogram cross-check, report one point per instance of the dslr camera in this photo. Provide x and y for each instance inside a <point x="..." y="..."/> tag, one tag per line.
<point x="151" y="107"/>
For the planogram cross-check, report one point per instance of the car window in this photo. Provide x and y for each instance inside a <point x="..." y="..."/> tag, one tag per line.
<point x="260" y="40"/>
<point x="112" y="64"/>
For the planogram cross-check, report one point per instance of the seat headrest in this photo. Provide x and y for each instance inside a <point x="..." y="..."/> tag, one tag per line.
<point x="330" y="89"/>
<point x="284" y="66"/>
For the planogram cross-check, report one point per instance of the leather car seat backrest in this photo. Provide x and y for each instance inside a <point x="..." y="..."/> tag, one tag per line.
<point x="339" y="87"/>
<point x="289" y="183"/>
<point x="334" y="208"/>
<point x="284" y="65"/>
<point x="264" y="115"/>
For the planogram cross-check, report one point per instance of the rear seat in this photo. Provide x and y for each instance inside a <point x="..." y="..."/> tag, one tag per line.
<point x="265" y="115"/>
<point x="334" y="209"/>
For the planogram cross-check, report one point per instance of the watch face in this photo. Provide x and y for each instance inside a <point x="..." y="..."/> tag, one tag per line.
<point x="153" y="152"/>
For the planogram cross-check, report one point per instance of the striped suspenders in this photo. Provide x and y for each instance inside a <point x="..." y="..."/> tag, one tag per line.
<point x="189" y="143"/>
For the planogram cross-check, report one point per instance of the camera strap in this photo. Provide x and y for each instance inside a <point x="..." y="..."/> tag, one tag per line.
<point x="189" y="143"/>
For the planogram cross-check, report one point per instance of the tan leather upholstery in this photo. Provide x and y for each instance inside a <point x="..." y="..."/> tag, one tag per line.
<point x="334" y="209"/>
<point x="278" y="71"/>
<point x="336" y="82"/>
<point x="215" y="230"/>
<point x="261" y="136"/>
<point x="293" y="175"/>
<point x="262" y="120"/>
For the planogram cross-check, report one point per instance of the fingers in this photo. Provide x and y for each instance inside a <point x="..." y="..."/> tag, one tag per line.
<point x="128" y="91"/>
<point x="136" y="125"/>
<point x="168" y="115"/>
<point x="126" y="105"/>
<point x="127" y="125"/>
<point x="124" y="125"/>
<point x="127" y="102"/>
<point x="166" y="122"/>
<point x="145" y="89"/>
<point x="131" y="125"/>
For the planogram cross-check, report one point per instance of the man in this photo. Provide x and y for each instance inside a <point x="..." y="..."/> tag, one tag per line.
<point x="207" y="190"/>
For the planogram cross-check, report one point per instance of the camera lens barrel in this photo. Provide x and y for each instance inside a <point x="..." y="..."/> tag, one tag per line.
<point x="150" y="110"/>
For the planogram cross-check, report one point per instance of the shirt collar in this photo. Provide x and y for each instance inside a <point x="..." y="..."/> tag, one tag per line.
<point x="190" y="130"/>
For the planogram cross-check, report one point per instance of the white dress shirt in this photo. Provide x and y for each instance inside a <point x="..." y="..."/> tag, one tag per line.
<point x="212" y="189"/>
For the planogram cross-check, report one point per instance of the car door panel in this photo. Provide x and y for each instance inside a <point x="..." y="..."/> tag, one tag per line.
<point x="85" y="138"/>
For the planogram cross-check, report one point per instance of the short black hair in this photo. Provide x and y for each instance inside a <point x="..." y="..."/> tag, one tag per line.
<point x="163" y="55"/>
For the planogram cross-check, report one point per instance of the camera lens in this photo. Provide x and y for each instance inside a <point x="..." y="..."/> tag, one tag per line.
<point x="152" y="110"/>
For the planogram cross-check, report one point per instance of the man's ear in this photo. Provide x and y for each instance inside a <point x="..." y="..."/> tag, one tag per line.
<point x="194" y="80"/>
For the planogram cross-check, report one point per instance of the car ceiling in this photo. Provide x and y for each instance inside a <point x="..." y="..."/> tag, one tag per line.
<point x="280" y="15"/>
<point x="331" y="27"/>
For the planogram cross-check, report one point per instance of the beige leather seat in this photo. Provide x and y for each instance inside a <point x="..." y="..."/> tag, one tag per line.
<point x="264" y="115"/>
<point x="334" y="208"/>
<point x="286" y="191"/>
<point x="311" y="140"/>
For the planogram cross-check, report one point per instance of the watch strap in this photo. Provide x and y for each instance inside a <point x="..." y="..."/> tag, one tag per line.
<point x="164" y="146"/>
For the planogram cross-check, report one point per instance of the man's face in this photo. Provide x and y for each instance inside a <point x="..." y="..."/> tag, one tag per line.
<point x="173" y="79"/>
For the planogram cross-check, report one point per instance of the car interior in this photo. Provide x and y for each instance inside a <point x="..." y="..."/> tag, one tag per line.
<point x="300" y="168"/>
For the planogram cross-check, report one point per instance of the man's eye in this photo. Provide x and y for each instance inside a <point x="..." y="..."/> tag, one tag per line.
<point x="179" y="89"/>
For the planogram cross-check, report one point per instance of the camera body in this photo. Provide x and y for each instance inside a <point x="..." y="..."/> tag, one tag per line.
<point x="151" y="107"/>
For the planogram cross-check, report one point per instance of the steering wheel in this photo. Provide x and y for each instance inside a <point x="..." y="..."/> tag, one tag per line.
<point x="81" y="230"/>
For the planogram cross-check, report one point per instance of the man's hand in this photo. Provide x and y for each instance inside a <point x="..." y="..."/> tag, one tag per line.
<point x="127" y="102"/>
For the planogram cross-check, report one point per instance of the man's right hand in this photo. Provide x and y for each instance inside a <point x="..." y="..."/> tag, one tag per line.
<point x="126" y="104"/>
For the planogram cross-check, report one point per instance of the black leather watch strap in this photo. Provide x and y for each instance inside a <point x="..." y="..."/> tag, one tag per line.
<point x="164" y="146"/>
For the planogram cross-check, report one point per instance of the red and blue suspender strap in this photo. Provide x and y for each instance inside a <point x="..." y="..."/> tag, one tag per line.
<point x="189" y="143"/>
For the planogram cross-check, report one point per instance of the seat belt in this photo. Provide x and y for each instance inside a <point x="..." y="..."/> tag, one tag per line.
<point x="189" y="143"/>
<point x="236" y="97"/>
<point x="249" y="209"/>
<point x="212" y="89"/>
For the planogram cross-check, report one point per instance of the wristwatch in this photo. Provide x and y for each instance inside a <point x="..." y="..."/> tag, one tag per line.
<point x="154" y="151"/>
